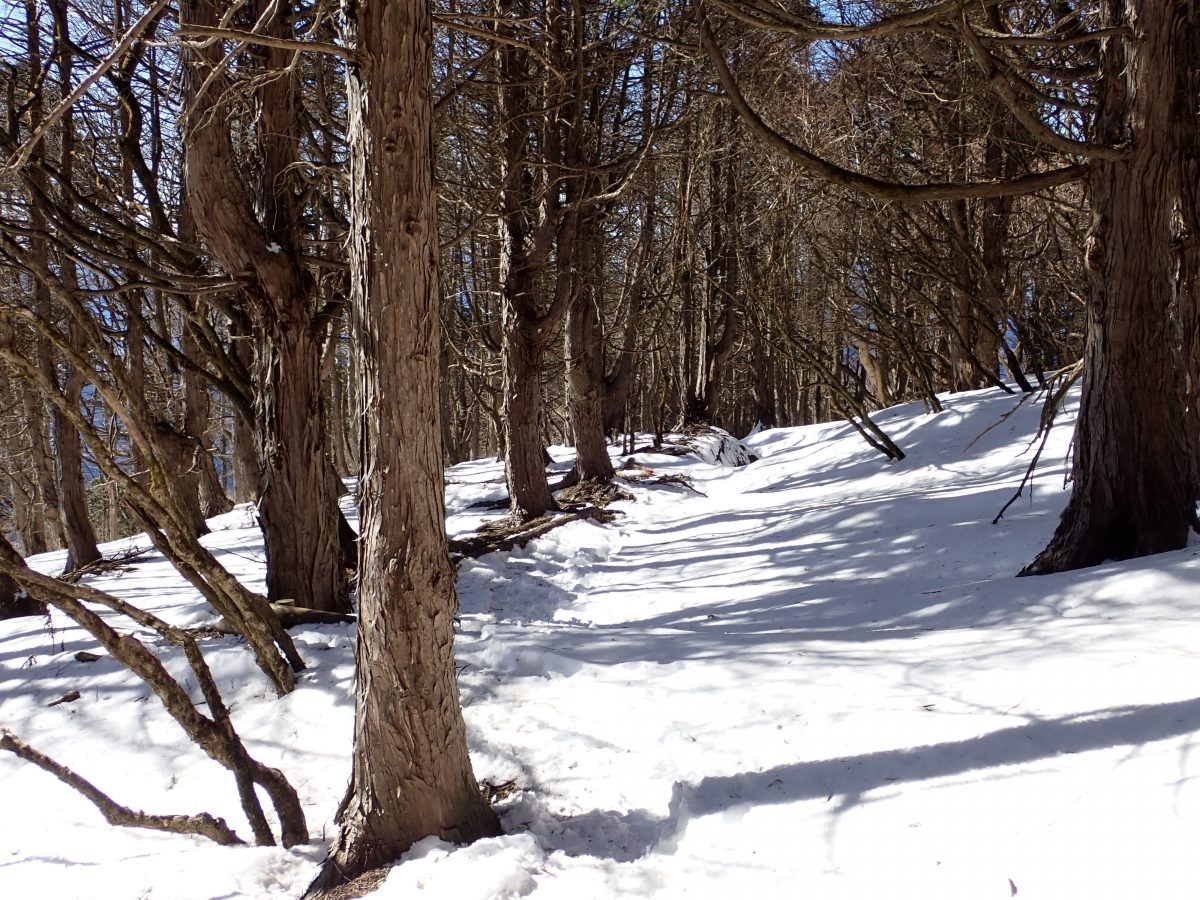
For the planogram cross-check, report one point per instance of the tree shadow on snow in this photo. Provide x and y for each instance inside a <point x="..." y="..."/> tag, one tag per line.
<point x="624" y="837"/>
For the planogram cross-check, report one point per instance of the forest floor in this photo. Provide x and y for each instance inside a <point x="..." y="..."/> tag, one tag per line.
<point x="817" y="677"/>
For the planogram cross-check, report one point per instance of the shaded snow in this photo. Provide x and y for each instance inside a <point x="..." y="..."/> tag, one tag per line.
<point x="819" y="678"/>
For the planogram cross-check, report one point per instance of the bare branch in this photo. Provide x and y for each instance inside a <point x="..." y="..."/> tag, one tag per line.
<point x="211" y="827"/>
<point x="767" y="15"/>
<point x="264" y="40"/>
<point x="1005" y="90"/>
<point x="135" y="31"/>
<point x="866" y="184"/>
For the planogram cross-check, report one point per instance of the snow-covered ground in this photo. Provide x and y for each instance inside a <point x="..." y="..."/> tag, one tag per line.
<point x="818" y="678"/>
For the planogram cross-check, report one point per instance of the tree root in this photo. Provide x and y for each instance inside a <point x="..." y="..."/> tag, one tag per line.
<point x="366" y="883"/>
<point x="593" y="492"/>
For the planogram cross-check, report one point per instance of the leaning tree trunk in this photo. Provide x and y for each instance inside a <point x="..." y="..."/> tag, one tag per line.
<point x="412" y="775"/>
<point x="1134" y="488"/>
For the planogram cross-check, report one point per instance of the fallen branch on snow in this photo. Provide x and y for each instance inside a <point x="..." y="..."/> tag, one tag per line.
<point x="508" y="535"/>
<point x="203" y="824"/>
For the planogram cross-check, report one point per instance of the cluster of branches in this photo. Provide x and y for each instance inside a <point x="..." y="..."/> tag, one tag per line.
<point x="617" y="251"/>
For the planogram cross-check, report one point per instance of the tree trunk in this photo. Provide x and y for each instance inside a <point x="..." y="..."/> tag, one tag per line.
<point x="530" y="223"/>
<point x="875" y="371"/>
<point x="78" y="533"/>
<point x="247" y="471"/>
<point x="40" y="517"/>
<point x="716" y="346"/>
<point x="14" y="602"/>
<point x="44" y="520"/>
<point x="524" y="465"/>
<point x="1187" y="47"/>
<point x="72" y="496"/>
<point x="620" y="379"/>
<point x="178" y="455"/>
<point x="585" y="358"/>
<point x="254" y="233"/>
<point x="298" y="509"/>
<point x="1134" y="486"/>
<point x="72" y="510"/>
<point x="197" y="407"/>
<point x="412" y="775"/>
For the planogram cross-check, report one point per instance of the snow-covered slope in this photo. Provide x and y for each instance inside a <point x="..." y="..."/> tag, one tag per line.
<point x="814" y="675"/>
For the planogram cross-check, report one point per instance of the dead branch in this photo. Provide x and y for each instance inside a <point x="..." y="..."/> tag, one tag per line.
<point x="118" y="562"/>
<point x="203" y="824"/>
<point x="509" y="535"/>
<point x="1054" y="399"/>
<point x="216" y="735"/>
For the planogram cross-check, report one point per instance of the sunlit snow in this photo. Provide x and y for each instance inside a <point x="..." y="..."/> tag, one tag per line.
<point x="814" y="676"/>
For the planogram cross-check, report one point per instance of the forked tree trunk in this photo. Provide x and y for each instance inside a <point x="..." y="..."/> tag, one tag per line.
<point x="297" y="508"/>
<point x="1134" y="488"/>
<point x="530" y="225"/>
<point x="412" y="775"/>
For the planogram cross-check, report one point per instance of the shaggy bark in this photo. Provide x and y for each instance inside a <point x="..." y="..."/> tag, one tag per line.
<point x="1134" y="482"/>
<point x="412" y="775"/>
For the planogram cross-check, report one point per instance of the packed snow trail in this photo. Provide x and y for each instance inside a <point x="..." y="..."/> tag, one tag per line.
<point x="818" y="677"/>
